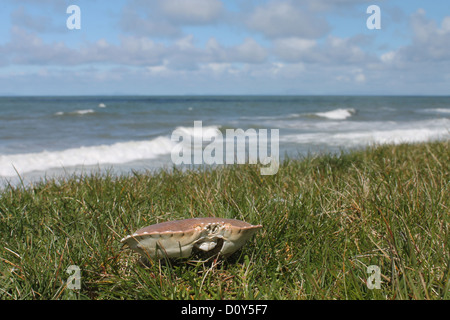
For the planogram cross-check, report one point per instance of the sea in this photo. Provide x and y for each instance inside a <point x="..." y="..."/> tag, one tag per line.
<point x="56" y="136"/>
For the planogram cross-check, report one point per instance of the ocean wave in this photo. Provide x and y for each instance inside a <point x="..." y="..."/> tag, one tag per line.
<point x="337" y="114"/>
<point x="117" y="153"/>
<point x="76" y="112"/>
<point x="205" y="132"/>
<point x="436" y="110"/>
<point x="359" y="138"/>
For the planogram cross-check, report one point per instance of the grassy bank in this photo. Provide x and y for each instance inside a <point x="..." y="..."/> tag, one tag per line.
<point x="326" y="219"/>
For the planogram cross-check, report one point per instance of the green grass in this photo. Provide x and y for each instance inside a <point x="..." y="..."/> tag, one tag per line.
<point x="326" y="219"/>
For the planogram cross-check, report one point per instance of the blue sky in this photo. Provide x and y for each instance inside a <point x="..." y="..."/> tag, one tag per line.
<point x="177" y="47"/>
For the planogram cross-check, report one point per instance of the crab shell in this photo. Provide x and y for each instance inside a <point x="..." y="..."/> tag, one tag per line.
<point x="176" y="239"/>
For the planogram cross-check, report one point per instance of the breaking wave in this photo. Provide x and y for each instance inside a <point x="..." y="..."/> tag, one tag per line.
<point x="117" y="153"/>
<point x="436" y="110"/>
<point x="77" y="112"/>
<point x="420" y="132"/>
<point x="338" y="114"/>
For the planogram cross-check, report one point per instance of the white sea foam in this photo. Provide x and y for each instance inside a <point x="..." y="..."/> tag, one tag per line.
<point x="102" y="105"/>
<point x="357" y="138"/>
<point x="87" y="111"/>
<point x="76" y="112"/>
<point x="117" y="153"/>
<point x="338" y="114"/>
<point x="436" y="110"/>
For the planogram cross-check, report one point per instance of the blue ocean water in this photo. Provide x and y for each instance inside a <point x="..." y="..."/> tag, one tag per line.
<point x="45" y="136"/>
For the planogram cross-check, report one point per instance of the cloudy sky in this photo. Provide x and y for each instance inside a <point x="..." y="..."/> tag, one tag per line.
<point x="178" y="47"/>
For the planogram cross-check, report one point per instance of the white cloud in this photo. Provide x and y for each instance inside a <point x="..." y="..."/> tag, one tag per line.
<point x="360" y="78"/>
<point x="138" y="22"/>
<point x="216" y="68"/>
<point x="185" y="43"/>
<point x="333" y="51"/>
<point x="294" y="49"/>
<point x="21" y="17"/>
<point x="166" y="18"/>
<point x="249" y="51"/>
<point x="430" y="43"/>
<point x="27" y="48"/>
<point x="284" y="46"/>
<point x="191" y="11"/>
<point x="284" y="19"/>
<point x="445" y="26"/>
<point x="327" y="5"/>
